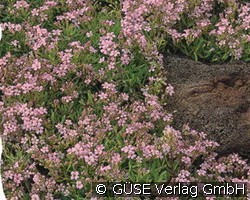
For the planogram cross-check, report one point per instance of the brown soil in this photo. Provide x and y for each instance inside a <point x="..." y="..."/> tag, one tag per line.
<point x="214" y="99"/>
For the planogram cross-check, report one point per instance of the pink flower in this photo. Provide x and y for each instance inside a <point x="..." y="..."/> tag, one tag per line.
<point x="36" y="178"/>
<point x="36" y="65"/>
<point x="105" y="168"/>
<point x="109" y="87"/>
<point x="130" y="150"/>
<point x="165" y="148"/>
<point x="17" y="178"/>
<point x="102" y="60"/>
<point x="79" y="185"/>
<point x="116" y="158"/>
<point x="21" y="4"/>
<point x="186" y="160"/>
<point x="108" y="46"/>
<point x="91" y="159"/>
<point x="149" y="151"/>
<point x="201" y="172"/>
<point x="89" y="34"/>
<point x="170" y="89"/>
<point x="221" y="168"/>
<point x="99" y="149"/>
<point x="103" y="96"/>
<point x="124" y="96"/>
<point x="35" y="197"/>
<point x="74" y="175"/>
<point x="183" y="176"/>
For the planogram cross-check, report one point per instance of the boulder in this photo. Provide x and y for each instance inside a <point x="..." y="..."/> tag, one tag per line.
<point x="213" y="98"/>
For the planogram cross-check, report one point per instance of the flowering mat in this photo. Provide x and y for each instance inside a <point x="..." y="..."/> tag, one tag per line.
<point x="86" y="95"/>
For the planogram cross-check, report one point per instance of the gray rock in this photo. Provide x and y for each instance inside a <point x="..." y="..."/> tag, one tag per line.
<point x="213" y="98"/>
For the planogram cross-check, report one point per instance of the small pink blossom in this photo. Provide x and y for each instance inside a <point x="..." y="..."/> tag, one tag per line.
<point x="74" y="175"/>
<point x="129" y="150"/>
<point x="17" y="178"/>
<point x="36" y="65"/>
<point x="79" y="185"/>
<point x="170" y="90"/>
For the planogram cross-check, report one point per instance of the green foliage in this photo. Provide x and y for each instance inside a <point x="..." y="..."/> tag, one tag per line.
<point x="129" y="79"/>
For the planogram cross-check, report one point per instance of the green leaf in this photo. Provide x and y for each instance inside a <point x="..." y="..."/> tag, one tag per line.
<point x="90" y="100"/>
<point x="52" y="117"/>
<point x="63" y="118"/>
<point x="195" y="57"/>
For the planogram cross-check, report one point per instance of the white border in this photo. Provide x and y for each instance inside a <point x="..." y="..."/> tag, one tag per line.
<point x="2" y="196"/>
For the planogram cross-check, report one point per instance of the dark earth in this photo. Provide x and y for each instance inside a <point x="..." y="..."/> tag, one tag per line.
<point x="213" y="98"/>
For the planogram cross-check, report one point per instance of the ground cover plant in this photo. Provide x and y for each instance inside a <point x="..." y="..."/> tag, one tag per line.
<point x="84" y="92"/>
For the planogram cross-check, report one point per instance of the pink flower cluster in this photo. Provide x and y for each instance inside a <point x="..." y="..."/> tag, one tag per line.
<point x="65" y="116"/>
<point x="41" y="14"/>
<point x="75" y="16"/>
<point x="78" y="12"/>
<point x="107" y="46"/>
<point x="21" y="4"/>
<point x="30" y="119"/>
<point x="230" y="30"/>
<point x="24" y="75"/>
<point x="40" y="37"/>
<point x="11" y="27"/>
